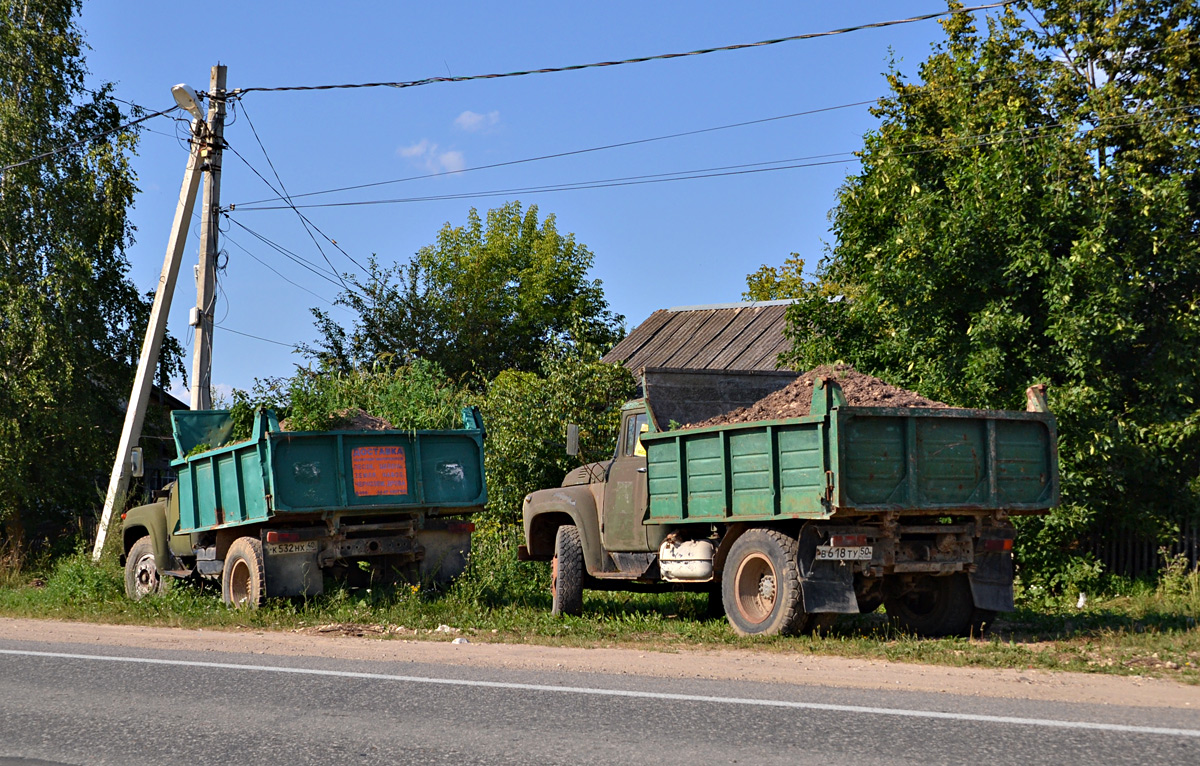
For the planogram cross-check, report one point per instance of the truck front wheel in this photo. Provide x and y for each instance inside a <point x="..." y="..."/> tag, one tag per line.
<point x="243" y="580"/>
<point x="760" y="587"/>
<point x="567" y="572"/>
<point x="141" y="570"/>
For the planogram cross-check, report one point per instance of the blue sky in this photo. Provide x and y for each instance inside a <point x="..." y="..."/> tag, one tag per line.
<point x="656" y="245"/>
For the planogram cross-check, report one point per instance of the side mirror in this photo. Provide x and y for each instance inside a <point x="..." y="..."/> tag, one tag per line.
<point x="572" y="439"/>
<point x="137" y="467"/>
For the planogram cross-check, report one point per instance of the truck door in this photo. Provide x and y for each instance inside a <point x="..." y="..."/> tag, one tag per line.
<point x="621" y="527"/>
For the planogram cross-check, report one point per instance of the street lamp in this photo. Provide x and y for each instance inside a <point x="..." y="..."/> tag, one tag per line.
<point x="188" y="100"/>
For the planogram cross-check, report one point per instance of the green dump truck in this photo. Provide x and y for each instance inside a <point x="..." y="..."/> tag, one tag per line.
<point x="271" y="515"/>
<point x="792" y="522"/>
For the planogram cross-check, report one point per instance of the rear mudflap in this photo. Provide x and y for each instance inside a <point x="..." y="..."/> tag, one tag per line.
<point x="992" y="581"/>
<point x="825" y="586"/>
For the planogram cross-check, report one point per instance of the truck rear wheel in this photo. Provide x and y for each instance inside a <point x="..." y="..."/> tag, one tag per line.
<point x="141" y="571"/>
<point x="243" y="580"/>
<point x="933" y="607"/>
<point x="567" y="572"/>
<point x="760" y="586"/>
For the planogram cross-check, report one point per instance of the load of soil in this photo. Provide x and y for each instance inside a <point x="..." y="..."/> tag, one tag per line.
<point x="355" y="419"/>
<point x="350" y="419"/>
<point x="795" y="400"/>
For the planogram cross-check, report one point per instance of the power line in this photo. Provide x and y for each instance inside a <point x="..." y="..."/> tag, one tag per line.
<point x="290" y="206"/>
<point x="570" y="153"/>
<point x="308" y="224"/>
<point x="681" y="175"/>
<point x="988" y="139"/>
<point x="278" y="273"/>
<point x="86" y="140"/>
<point x="641" y="59"/>
<point x="299" y="260"/>
<point x="259" y="337"/>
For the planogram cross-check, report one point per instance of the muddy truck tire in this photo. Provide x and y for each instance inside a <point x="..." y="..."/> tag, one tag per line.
<point x="243" y="580"/>
<point x="567" y="572"/>
<point x="760" y="586"/>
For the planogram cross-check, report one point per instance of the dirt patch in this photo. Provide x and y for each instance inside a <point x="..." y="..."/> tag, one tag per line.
<point x="795" y="400"/>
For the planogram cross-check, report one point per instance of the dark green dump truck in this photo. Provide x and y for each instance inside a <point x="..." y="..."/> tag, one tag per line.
<point x="270" y="515"/>
<point x="791" y="522"/>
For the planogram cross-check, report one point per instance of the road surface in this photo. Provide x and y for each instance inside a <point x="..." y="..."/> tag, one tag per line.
<point x="75" y="695"/>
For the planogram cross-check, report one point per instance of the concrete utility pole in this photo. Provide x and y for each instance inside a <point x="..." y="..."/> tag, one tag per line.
<point x="148" y="362"/>
<point x="206" y="278"/>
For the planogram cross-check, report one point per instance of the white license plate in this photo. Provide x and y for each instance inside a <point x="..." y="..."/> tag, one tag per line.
<point x="854" y="553"/>
<point x="281" y="549"/>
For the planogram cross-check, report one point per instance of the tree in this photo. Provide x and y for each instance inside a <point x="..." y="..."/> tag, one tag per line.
<point x="71" y="321"/>
<point x="1029" y="211"/>
<point x="773" y="284"/>
<point x="526" y="414"/>
<point x="483" y="298"/>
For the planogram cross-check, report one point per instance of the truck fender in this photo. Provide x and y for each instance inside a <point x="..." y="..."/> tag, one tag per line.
<point x="149" y="520"/>
<point x="546" y="510"/>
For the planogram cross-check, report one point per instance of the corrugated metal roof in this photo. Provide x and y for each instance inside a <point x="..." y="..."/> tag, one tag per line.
<point x="726" y="336"/>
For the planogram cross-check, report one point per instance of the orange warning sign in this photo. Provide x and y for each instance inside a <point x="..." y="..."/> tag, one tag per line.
<point x="379" y="471"/>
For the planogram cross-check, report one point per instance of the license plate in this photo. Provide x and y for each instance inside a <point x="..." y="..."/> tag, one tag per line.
<point x="855" y="553"/>
<point x="281" y="549"/>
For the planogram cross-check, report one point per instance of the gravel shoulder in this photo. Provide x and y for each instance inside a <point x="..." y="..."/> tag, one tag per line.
<point x="741" y="665"/>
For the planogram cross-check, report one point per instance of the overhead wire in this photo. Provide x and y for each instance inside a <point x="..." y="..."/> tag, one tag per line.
<point x="638" y="60"/>
<point x="294" y="346"/>
<point x="298" y="259"/>
<point x="278" y="273"/>
<point x="332" y="269"/>
<point x="988" y="139"/>
<point x="570" y="153"/>
<point x="282" y="188"/>
<point x="87" y="139"/>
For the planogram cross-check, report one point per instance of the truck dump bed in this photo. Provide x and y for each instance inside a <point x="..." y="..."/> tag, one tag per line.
<point x="852" y="460"/>
<point x="305" y="472"/>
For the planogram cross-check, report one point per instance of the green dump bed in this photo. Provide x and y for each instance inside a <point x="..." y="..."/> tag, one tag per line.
<point x="277" y="472"/>
<point x="854" y="460"/>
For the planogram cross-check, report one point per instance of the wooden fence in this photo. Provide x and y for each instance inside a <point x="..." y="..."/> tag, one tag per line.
<point x="1127" y="552"/>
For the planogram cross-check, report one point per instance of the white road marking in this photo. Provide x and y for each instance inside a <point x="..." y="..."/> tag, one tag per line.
<point x="859" y="709"/>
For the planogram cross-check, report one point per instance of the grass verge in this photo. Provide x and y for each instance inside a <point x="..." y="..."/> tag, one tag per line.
<point x="1139" y="629"/>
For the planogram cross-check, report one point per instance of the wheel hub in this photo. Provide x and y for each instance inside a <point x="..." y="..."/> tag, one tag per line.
<point x="146" y="575"/>
<point x="756" y="588"/>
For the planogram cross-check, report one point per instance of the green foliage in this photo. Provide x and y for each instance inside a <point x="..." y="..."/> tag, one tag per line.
<point x="71" y="320"/>
<point x="76" y="579"/>
<point x="1178" y="579"/>
<point x="772" y="284"/>
<point x="1027" y="212"/>
<point x="494" y="577"/>
<point x="411" y="397"/>
<point x="526" y="415"/>
<point x="482" y="299"/>
<point x="268" y="393"/>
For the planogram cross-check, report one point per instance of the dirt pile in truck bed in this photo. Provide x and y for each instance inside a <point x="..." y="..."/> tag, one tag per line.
<point x="795" y="400"/>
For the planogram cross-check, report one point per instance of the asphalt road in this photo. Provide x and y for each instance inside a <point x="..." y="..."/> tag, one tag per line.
<point x="63" y="703"/>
